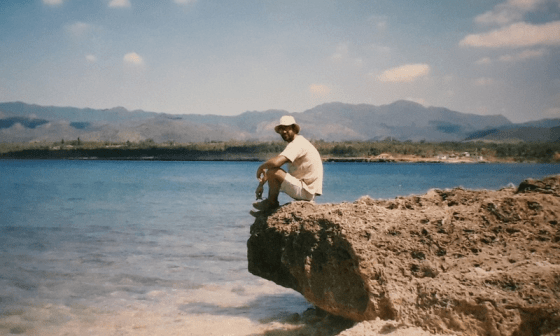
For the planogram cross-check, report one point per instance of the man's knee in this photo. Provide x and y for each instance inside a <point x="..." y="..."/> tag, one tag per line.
<point x="277" y="174"/>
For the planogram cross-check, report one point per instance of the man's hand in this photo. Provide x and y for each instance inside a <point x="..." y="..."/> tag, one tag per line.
<point x="259" y="191"/>
<point x="275" y="162"/>
<point x="261" y="173"/>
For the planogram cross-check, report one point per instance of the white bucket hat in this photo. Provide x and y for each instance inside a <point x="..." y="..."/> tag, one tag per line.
<point x="287" y="121"/>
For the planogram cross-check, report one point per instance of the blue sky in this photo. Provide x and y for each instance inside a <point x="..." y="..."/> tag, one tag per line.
<point x="227" y="57"/>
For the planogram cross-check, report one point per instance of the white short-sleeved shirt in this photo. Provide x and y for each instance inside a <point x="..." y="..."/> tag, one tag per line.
<point x="305" y="164"/>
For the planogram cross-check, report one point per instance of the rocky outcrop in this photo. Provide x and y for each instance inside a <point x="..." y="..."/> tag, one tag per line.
<point x="472" y="262"/>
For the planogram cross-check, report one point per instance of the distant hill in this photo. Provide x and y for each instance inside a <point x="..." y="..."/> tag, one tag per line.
<point x="72" y="114"/>
<point x="518" y="134"/>
<point x="401" y="120"/>
<point x="544" y="130"/>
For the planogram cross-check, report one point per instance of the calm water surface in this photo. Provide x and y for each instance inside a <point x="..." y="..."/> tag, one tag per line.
<point x="159" y="248"/>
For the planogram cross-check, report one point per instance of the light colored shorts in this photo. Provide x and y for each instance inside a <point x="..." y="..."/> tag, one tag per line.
<point x="294" y="188"/>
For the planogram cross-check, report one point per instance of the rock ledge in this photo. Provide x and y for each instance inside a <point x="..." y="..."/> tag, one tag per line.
<point x="473" y="262"/>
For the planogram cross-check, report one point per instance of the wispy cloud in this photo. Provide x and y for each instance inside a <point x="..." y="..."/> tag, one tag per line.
<point x="342" y="53"/>
<point x="78" y="29"/>
<point x="91" y="58"/>
<point x="520" y="34"/>
<point x="552" y="112"/>
<point x="319" y="89"/>
<point x="53" y="2"/>
<point x="119" y="3"/>
<point x="380" y="22"/>
<point x="524" y="55"/>
<point x="516" y="57"/>
<point x="509" y="12"/>
<point x="484" y="81"/>
<point x="379" y="49"/>
<point x="133" y="58"/>
<point x="420" y="101"/>
<point x="484" y="61"/>
<point x="184" y="2"/>
<point x="404" y="74"/>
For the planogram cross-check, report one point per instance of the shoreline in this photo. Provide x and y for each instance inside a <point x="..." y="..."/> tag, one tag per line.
<point x="251" y="159"/>
<point x="375" y="152"/>
<point x="56" y="155"/>
<point x="408" y="160"/>
<point x="255" y="155"/>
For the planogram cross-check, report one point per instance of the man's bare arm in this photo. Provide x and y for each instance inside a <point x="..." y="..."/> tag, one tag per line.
<point x="275" y="162"/>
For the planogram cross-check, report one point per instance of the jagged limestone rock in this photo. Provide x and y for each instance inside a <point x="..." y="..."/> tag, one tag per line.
<point x="476" y="262"/>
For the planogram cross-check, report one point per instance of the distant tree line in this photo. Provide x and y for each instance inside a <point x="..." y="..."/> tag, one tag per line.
<point x="542" y="152"/>
<point x="259" y="150"/>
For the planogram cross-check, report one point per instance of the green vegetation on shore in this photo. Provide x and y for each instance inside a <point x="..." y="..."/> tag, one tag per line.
<point x="252" y="150"/>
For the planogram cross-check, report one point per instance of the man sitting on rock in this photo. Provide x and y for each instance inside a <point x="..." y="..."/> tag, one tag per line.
<point x="304" y="179"/>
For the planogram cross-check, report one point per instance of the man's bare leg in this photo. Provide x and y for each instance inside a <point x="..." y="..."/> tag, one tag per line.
<point x="275" y="177"/>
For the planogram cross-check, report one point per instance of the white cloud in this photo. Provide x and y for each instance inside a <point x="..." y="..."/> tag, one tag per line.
<point x="319" y="89"/>
<point x="53" y="2"/>
<point x="184" y="2"/>
<point x="516" y="35"/>
<point x="509" y="11"/>
<point x="133" y="58"/>
<point x="524" y="55"/>
<point x="91" y="58"/>
<point x="405" y="74"/>
<point x="119" y="3"/>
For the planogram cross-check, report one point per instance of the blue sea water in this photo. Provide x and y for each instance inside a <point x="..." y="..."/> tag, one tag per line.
<point x="159" y="248"/>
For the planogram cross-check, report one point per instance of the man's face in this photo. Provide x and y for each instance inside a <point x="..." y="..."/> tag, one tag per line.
<point x="287" y="133"/>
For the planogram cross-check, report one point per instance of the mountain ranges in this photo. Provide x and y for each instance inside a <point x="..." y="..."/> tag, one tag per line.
<point x="401" y="120"/>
